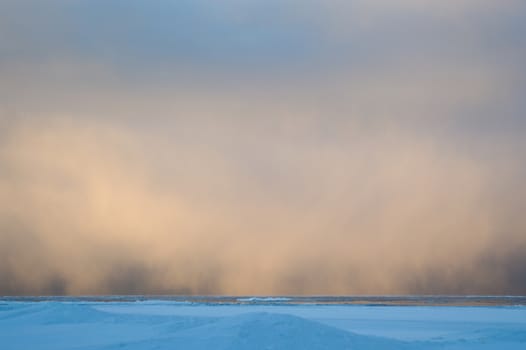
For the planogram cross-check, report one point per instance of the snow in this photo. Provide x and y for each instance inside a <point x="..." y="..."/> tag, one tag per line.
<point x="172" y="325"/>
<point x="262" y="299"/>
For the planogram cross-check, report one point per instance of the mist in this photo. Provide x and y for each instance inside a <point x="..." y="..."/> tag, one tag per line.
<point x="339" y="148"/>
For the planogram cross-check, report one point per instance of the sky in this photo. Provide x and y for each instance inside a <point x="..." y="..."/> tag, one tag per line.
<point x="251" y="147"/>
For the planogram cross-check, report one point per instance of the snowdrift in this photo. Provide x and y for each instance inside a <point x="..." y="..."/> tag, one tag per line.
<point x="70" y="325"/>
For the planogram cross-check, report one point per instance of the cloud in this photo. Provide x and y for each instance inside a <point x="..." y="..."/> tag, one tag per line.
<point x="97" y="207"/>
<point x="335" y="148"/>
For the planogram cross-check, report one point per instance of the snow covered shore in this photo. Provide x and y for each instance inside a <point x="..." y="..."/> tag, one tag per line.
<point x="170" y="325"/>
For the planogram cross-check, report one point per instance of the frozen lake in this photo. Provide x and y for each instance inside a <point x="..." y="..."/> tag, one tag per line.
<point x="262" y="323"/>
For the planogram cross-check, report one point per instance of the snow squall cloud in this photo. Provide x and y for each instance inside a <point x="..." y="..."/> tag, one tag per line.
<point x="262" y="147"/>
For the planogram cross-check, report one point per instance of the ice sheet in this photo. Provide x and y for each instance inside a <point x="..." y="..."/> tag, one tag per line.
<point x="167" y="325"/>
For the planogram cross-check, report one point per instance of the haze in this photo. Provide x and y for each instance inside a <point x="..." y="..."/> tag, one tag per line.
<point x="262" y="147"/>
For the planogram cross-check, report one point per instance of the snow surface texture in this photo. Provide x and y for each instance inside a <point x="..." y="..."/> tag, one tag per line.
<point x="169" y="325"/>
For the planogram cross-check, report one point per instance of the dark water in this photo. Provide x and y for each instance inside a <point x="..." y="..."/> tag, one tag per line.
<point x="291" y="300"/>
